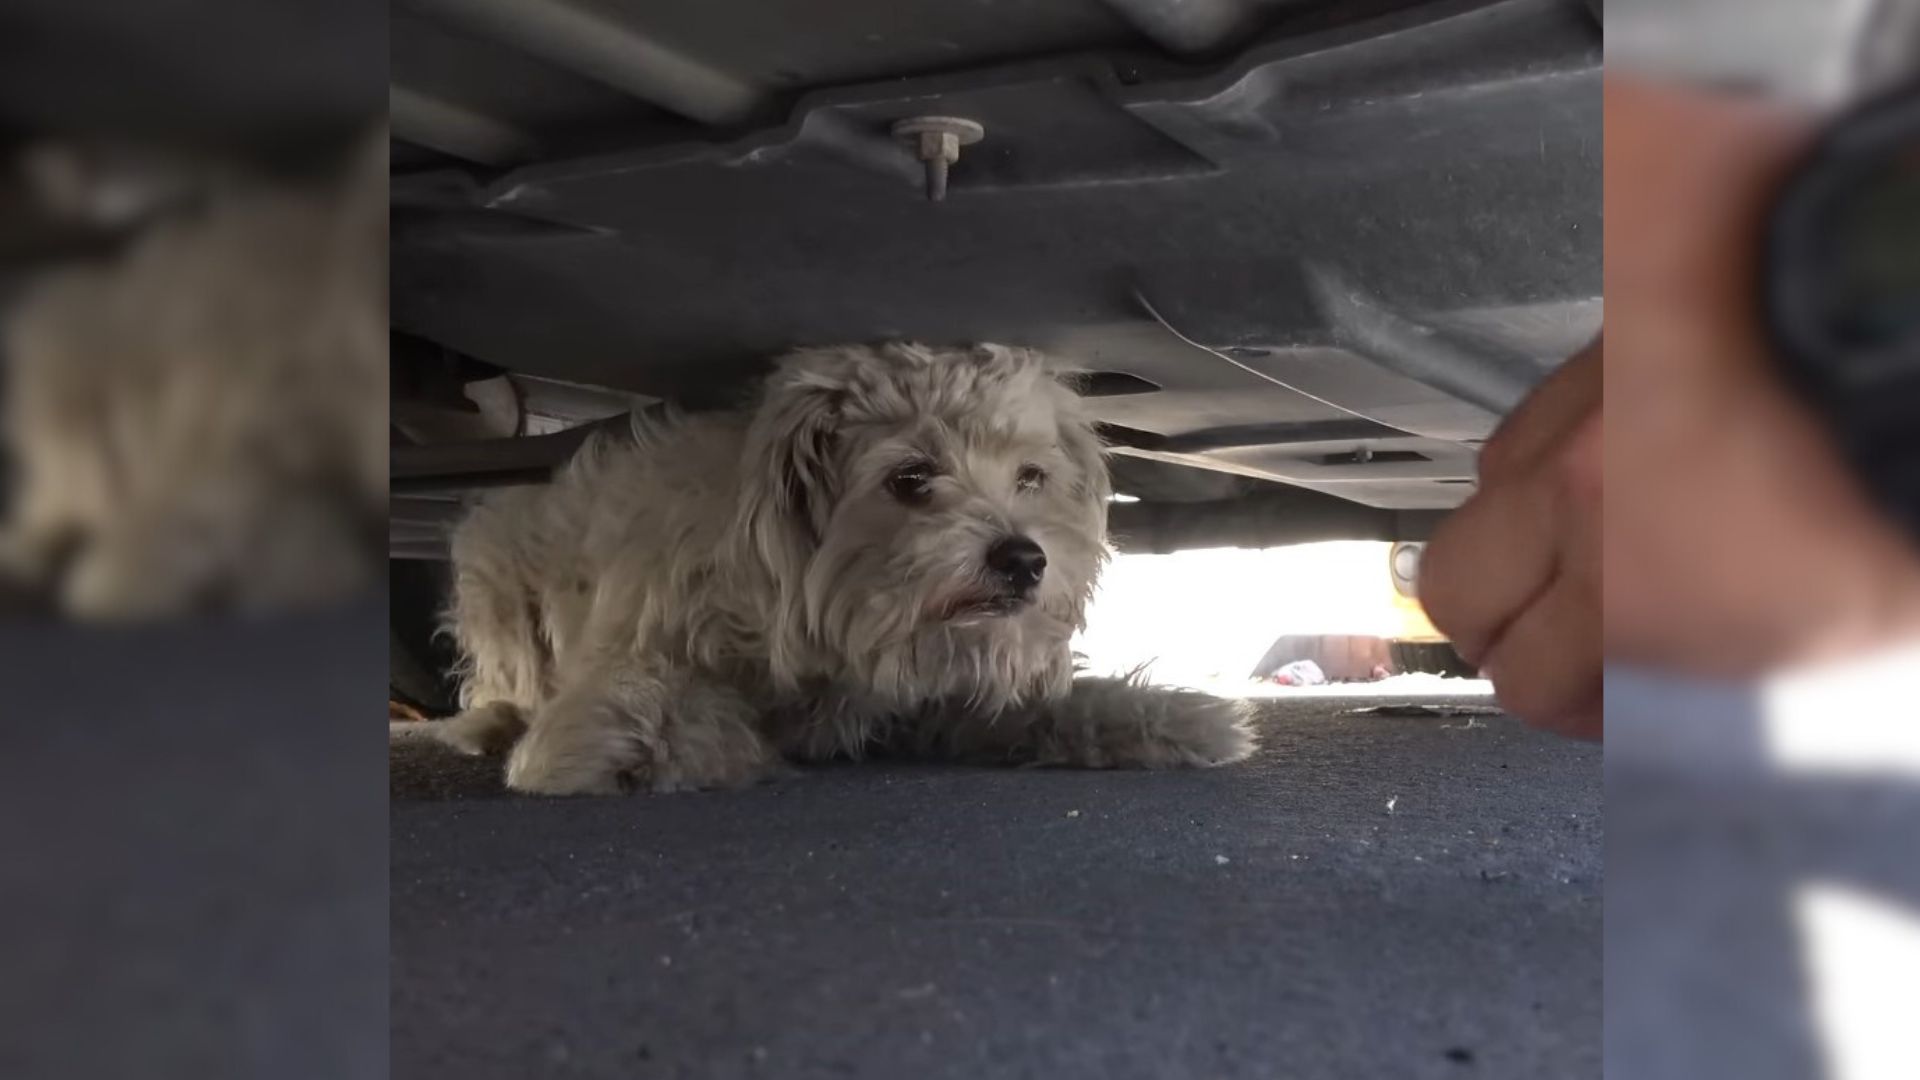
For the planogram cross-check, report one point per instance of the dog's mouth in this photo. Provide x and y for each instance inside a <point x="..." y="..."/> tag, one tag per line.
<point x="974" y="607"/>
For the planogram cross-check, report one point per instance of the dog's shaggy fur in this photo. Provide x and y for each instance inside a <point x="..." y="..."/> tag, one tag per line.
<point x="201" y="421"/>
<point x="812" y="579"/>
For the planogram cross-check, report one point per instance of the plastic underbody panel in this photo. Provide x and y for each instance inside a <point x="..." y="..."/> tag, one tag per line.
<point x="1436" y="169"/>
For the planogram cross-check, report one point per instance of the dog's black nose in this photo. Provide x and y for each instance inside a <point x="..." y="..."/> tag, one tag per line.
<point x="1019" y="560"/>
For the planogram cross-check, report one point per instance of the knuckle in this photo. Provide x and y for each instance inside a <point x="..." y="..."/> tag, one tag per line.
<point x="1498" y="460"/>
<point x="1580" y="466"/>
<point x="1523" y="698"/>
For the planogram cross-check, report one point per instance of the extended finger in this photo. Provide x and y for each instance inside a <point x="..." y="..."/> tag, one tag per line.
<point x="1486" y="563"/>
<point x="1546" y="665"/>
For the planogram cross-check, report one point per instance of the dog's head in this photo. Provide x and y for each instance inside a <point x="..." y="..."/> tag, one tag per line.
<point x="933" y="520"/>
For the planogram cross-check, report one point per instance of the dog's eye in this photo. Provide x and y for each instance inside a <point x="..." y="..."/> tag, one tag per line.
<point x="1030" y="478"/>
<point x="912" y="484"/>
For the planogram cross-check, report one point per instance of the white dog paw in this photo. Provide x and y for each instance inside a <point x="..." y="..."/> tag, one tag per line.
<point x="1199" y="729"/>
<point x="110" y="584"/>
<point x="540" y="770"/>
<point x="1121" y="723"/>
<point x="570" y="753"/>
<point x="483" y="730"/>
<point x="596" y="750"/>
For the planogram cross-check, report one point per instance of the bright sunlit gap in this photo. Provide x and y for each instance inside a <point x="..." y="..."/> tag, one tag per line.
<point x="1855" y="717"/>
<point x="1205" y="618"/>
<point x="1862" y="951"/>
<point x="1863" y="964"/>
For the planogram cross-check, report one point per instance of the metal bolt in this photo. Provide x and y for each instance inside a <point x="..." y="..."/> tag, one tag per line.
<point x="937" y="141"/>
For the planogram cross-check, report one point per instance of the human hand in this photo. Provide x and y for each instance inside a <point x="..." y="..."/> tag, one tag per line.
<point x="1513" y="576"/>
<point x="1738" y="541"/>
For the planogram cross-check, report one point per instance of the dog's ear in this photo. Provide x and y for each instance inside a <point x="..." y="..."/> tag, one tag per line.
<point x="787" y="470"/>
<point x="787" y="491"/>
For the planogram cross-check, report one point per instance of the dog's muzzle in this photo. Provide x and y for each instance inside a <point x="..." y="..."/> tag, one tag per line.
<point x="1015" y="565"/>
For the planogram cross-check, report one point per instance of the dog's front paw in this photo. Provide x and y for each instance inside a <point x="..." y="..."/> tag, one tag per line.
<point x="577" y="751"/>
<point x="582" y="746"/>
<point x="114" y="581"/>
<point x="1187" y="727"/>
<point x="1124" y="723"/>
<point x="483" y="730"/>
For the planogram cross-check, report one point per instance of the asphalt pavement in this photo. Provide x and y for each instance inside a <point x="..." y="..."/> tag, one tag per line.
<point x="1369" y="896"/>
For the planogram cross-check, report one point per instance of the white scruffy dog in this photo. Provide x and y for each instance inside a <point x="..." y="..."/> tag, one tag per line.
<point x="201" y="421"/>
<point x="890" y="553"/>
